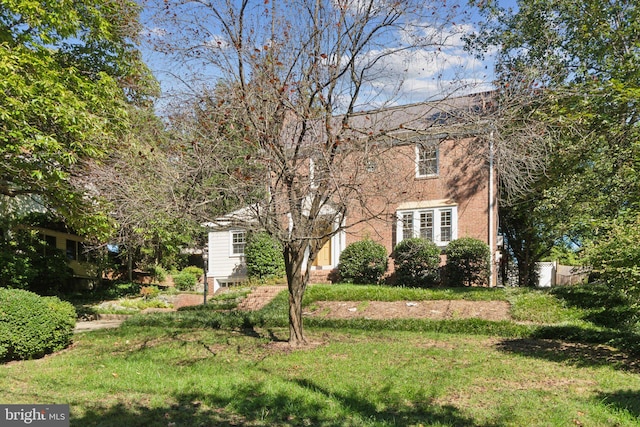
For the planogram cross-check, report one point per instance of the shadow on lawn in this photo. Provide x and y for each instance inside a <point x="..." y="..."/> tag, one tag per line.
<point x="259" y="405"/>
<point x="605" y="306"/>
<point x="577" y="353"/>
<point x="626" y="400"/>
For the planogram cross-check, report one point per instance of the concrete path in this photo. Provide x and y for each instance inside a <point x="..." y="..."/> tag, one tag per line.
<point x="93" y="325"/>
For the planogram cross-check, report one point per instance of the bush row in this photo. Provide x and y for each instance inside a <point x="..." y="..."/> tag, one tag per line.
<point x="417" y="263"/>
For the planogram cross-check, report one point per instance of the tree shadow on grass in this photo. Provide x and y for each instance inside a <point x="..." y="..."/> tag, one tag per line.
<point x="577" y="353"/>
<point x="397" y="413"/>
<point x="606" y="306"/>
<point x="625" y="400"/>
<point x="262" y="404"/>
<point x="182" y="413"/>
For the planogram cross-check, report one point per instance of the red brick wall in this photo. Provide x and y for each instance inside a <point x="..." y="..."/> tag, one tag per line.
<point x="463" y="178"/>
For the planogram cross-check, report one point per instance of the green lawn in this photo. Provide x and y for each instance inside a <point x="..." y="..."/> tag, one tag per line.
<point x="202" y="367"/>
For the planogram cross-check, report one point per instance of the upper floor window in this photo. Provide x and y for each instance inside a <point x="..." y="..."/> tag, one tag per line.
<point x="426" y="159"/>
<point x="238" y="241"/>
<point x="436" y="224"/>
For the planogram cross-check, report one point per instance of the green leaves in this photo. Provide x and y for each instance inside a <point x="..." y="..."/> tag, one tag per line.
<point x="586" y="65"/>
<point x="67" y="73"/>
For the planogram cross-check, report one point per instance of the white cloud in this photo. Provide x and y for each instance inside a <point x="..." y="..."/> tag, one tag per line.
<point x="430" y="72"/>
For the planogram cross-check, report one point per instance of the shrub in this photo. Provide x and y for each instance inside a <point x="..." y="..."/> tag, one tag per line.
<point x="468" y="262"/>
<point x="263" y="256"/>
<point x="417" y="262"/>
<point x="157" y="272"/>
<point x="149" y="292"/>
<point x="193" y="269"/>
<point x="615" y="256"/>
<point x="363" y="262"/>
<point x="184" y="281"/>
<point x="32" y="326"/>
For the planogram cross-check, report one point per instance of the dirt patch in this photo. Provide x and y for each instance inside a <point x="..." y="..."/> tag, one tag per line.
<point x="436" y="310"/>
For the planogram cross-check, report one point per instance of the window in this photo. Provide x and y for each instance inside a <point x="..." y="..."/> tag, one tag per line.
<point x="50" y="240"/>
<point x="238" y="240"/>
<point x="445" y="225"/>
<point x="407" y="225"/>
<point x="426" y="159"/>
<point x="72" y="250"/>
<point x="426" y="225"/>
<point x="318" y="171"/>
<point x="436" y="224"/>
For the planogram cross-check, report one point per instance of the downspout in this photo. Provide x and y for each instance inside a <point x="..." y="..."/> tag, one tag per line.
<point x="492" y="231"/>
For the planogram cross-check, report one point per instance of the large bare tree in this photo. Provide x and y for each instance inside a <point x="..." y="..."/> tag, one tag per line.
<point x="296" y="76"/>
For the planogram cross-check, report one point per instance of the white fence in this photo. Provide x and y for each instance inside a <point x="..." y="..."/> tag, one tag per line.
<point x="552" y="273"/>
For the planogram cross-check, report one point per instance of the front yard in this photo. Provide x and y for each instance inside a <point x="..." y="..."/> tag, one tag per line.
<point x="206" y="367"/>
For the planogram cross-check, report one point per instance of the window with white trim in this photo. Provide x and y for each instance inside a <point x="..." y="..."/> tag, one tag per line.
<point x="445" y="225"/>
<point x="426" y="159"/>
<point x="238" y="241"/>
<point x="436" y="224"/>
<point x="426" y="225"/>
<point x="407" y="225"/>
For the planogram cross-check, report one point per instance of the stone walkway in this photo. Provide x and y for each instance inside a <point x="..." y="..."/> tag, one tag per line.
<point x="258" y="298"/>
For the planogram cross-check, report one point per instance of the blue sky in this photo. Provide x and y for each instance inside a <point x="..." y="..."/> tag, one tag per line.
<point x="428" y="75"/>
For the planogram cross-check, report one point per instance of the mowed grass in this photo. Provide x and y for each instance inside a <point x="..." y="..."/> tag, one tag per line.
<point x="202" y="367"/>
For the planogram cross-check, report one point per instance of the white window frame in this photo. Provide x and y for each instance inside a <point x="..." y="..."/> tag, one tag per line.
<point x="438" y="214"/>
<point x="233" y="242"/>
<point x="420" y="146"/>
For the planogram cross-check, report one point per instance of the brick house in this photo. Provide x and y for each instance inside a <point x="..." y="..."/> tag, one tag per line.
<point x="436" y="181"/>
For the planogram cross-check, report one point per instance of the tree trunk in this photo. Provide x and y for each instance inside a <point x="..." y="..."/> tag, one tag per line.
<point x="296" y="333"/>
<point x="297" y="269"/>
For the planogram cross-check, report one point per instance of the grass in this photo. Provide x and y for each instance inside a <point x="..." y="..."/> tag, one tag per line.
<point x="344" y="292"/>
<point x="206" y="367"/>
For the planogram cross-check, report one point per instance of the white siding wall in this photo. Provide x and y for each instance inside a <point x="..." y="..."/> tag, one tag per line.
<point x="223" y="267"/>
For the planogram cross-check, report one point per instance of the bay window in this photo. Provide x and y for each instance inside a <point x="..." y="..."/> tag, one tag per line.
<point x="438" y="224"/>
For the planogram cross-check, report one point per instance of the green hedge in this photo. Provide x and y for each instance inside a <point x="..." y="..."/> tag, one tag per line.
<point x="32" y="326"/>
<point x="184" y="281"/>
<point x="417" y="263"/>
<point x="363" y="262"/>
<point x="263" y="256"/>
<point x="468" y="262"/>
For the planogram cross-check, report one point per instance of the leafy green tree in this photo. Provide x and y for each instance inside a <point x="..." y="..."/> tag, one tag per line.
<point x="616" y="257"/>
<point x="67" y="72"/>
<point x="577" y="64"/>
<point x="27" y="262"/>
<point x="163" y="183"/>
